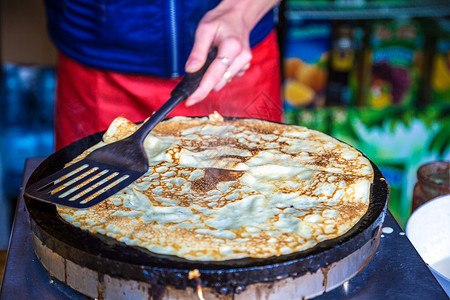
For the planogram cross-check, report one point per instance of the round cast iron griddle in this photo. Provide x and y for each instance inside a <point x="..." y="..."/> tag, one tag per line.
<point x="109" y="256"/>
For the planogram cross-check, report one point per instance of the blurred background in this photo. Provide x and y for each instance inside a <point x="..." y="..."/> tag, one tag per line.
<point x="27" y="84"/>
<point x="374" y="74"/>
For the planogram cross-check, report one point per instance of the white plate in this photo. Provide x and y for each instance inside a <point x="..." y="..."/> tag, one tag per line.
<point x="428" y="229"/>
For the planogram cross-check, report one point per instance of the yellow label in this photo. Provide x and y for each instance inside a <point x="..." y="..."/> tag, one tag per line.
<point x="343" y="60"/>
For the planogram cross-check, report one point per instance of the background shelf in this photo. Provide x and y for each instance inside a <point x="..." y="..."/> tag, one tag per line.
<point x="365" y="10"/>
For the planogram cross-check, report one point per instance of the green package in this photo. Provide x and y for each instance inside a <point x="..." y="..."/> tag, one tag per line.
<point x="396" y="63"/>
<point x="440" y="76"/>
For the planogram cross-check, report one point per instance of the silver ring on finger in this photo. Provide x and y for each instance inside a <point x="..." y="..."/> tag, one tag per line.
<point x="227" y="76"/>
<point x="225" y="60"/>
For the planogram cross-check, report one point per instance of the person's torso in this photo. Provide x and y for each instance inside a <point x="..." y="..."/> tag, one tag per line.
<point x="152" y="37"/>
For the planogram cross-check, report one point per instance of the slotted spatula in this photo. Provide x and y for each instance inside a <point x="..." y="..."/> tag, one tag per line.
<point x="112" y="167"/>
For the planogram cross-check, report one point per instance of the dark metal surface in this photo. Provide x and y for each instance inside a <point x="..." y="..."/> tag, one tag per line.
<point x="108" y="256"/>
<point x="395" y="272"/>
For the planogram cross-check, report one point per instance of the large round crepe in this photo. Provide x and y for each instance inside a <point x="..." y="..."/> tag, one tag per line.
<point x="219" y="190"/>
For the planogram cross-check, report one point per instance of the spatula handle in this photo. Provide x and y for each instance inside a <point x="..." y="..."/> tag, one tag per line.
<point x="191" y="81"/>
<point x="181" y="92"/>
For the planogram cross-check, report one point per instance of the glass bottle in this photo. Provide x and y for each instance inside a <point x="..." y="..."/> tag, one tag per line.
<point x="433" y="180"/>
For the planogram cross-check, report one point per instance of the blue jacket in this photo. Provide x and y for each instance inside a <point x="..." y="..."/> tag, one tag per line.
<point x="152" y="37"/>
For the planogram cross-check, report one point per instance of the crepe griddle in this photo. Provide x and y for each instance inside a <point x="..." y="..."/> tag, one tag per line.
<point x="102" y="267"/>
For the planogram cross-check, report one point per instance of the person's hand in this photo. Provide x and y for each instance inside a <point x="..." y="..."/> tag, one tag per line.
<point x="228" y="27"/>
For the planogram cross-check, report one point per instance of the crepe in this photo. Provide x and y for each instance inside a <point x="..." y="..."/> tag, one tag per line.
<point x="219" y="190"/>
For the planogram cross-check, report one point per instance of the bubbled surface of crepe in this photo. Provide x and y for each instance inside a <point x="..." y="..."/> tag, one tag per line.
<point x="219" y="190"/>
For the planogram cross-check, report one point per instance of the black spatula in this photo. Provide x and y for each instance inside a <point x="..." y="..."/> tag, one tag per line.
<point x="112" y="167"/>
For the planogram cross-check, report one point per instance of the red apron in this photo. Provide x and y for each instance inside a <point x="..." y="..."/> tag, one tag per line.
<point x="88" y="100"/>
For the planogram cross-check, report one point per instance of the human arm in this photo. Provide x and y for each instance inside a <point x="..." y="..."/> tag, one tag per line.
<point x="227" y="27"/>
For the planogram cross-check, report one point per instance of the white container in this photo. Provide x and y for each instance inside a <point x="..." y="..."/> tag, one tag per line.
<point x="428" y="229"/>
